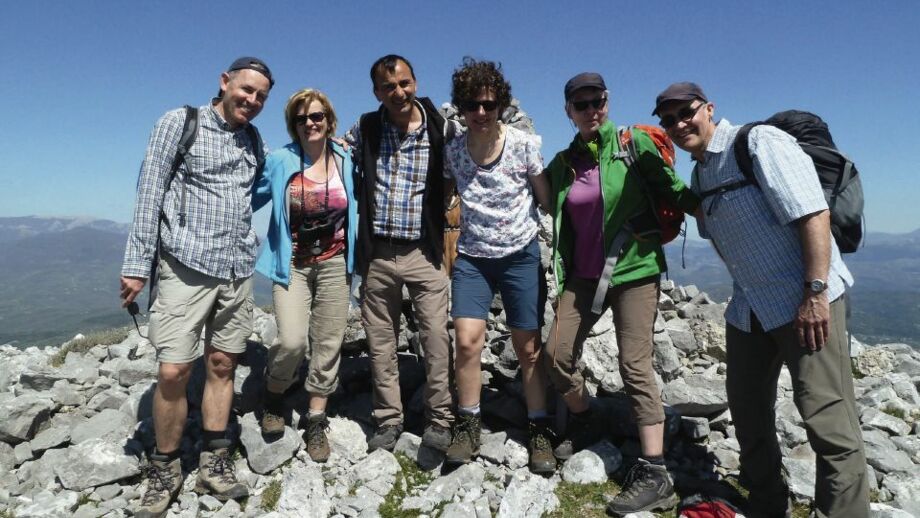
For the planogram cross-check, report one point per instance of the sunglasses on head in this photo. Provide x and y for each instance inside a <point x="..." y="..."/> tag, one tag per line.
<point x="597" y="104"/>
<point x="684" y="114"/>
<point x="316" y="117"/>
<point x="473" y="106"/>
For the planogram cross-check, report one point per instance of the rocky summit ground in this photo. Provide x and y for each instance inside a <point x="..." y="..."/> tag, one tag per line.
<point x="75" y="423"/>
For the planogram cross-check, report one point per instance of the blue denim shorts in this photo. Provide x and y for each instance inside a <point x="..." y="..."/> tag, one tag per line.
<point x="518" y="277"/>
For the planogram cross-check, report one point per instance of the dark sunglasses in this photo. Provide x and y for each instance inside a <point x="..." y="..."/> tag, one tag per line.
<point x="473" y="106"/>
<point x="316" y="117"/>
<point x="684" y="114"/>
<point x="597" y="104"/>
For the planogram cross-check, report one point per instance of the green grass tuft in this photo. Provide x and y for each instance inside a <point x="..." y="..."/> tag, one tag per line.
<point x="106" y="337"/>
<point x="409" y="478"/>
<point x="583" y="500"/>
<point x="894" y="412"/>
<point x="271" y="495"/>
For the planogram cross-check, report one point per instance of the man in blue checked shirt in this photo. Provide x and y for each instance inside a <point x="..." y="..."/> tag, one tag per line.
<point x="787" y="306"/>
<point x="399" y="150"/>
<point x="198" y="228"/>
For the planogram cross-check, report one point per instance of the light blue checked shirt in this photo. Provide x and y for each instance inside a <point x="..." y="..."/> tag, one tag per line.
<point x="217" y="238"/>
<point x="755" y="229"/>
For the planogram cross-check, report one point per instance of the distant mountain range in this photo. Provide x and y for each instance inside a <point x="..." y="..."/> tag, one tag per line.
<point x="59" y="276"/>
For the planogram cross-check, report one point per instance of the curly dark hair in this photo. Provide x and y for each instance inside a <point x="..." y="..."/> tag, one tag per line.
<point x="472" y="76"/>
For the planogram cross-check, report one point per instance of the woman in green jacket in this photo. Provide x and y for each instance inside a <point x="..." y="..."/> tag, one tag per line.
<point x="592" y="185"/>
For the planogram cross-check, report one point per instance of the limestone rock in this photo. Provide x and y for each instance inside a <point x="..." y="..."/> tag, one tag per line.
<point x="263" y="456"/>
<point x="95" y="462"/>
<point x="302" y="488"/>
<point x="21" y="417"/>
<point x="528" y="495"/>
<point x="109" y="424"/>
<point x="696" y="395"/>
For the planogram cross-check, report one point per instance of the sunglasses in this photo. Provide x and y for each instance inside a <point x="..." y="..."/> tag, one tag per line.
<point x="597" y="104"/>
<point x="683" y="115"/>
<point x="316" y="117"/>
<point x="473" y="106"/>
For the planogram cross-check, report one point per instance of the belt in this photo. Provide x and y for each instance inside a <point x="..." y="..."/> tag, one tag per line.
<point x="396" y="241"/>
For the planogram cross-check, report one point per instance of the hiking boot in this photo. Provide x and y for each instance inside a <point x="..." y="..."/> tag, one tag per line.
<point x="464" y="440"/>
<point x="385" y="437"/>
<point x="582" y="431"/>
<point x="647" y="487"/>
<point x="436" y="437"/>
<point x="315" y="437"/>
<point x="541" y="448"/>
<point x="164" y="479"/>
<point x="217" y="474"/>
<point x="272" y="418"/>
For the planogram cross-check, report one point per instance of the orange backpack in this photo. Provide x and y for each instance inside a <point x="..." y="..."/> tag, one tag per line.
<point x="670" y="218"/>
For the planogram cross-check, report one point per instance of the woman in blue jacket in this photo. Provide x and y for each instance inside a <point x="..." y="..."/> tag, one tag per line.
<point x="309" y="255"/>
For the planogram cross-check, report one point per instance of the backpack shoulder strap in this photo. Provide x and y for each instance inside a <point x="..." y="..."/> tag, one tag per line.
<point x="189" y="132"/>
<point x="371" y="127"/>
<point x="258" y="147"/>
<point x="742" y="151"/>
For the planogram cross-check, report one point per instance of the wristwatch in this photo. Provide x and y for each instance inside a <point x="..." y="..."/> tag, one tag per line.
<point x="816" y="286"/>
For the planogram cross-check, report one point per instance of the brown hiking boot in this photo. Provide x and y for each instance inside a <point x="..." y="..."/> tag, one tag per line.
<point x="164" y="479"/>
<point x="217" y="474"/>
<point x="647" y="487"/>
<point x="542" y="459"/>
<point x="272" y="418"/>
<point x="272" y="424"/>
<point x="315" y="437"/>
<point x="464" y="441"/>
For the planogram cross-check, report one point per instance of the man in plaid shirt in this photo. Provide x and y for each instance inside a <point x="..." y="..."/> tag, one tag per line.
<point x="787" y="306"/>
<point x="400" y="243"/>
<point x="199" y="227"/>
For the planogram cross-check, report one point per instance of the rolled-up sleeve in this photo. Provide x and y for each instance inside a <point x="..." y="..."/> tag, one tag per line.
<point x="785" y="174"/>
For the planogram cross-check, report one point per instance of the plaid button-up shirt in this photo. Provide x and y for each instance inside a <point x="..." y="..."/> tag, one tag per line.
<point x="401" y="171"/>
<point x="755" y="229"/>
<point x="216" y="238"/>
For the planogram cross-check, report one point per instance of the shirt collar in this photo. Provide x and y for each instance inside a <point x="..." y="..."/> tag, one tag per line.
<point x="422" y="126"/>
<point x="216" y="116"/>
<point x="722" y="137"/>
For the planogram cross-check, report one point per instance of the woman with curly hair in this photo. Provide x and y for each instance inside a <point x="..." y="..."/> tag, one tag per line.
<point x="309" y="254"/>
<point x="498" y="171"/>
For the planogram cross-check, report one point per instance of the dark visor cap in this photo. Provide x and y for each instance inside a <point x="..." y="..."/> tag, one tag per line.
<point x="685" y="91"/>
<point x="251" y="63"/>
<point x="583" y="80"/>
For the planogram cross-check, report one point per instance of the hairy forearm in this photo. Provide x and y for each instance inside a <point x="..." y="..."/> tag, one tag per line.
<point x="815" y="236"/>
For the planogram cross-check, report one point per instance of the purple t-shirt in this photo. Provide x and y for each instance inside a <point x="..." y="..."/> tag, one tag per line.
<point x="585" y="206"/>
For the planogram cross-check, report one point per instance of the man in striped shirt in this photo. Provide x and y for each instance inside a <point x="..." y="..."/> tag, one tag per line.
<point x="787" y="306"/>
<point x="197" y="226"/>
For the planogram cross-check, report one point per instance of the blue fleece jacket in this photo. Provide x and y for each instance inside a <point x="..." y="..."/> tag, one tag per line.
<point x="280" y="166"/>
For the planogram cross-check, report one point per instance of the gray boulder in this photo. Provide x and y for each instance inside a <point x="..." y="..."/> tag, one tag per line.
<point x="696" y="395"/>
<point x="492" y="447"/>
<point x="95" y="462"/>
<point x="264" y="457"/>
<point x="109" y="424"/>
<point x="883" y="455"/>
<point x="48" y="504"/>
<point x="133" y="372"/>
<point x="464" y="484"/>
<point x="303" y="490"/>
<point x="21" y="417"/>
<point x="528" y="495"/>
<point x="905" y="490"/>
<point x="891" y="424"/>
<point x="346" y="439"/>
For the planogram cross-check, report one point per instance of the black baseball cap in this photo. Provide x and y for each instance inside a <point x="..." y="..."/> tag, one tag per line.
<point x="251" y="63"/>
<point x="583" y="80"/>
<point x="684" y="91"/>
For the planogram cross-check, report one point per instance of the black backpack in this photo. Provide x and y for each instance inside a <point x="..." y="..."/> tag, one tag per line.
<point x="837" y="173"/>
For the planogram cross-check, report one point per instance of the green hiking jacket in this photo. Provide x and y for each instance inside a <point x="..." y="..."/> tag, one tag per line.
<point x="623" y="197"/>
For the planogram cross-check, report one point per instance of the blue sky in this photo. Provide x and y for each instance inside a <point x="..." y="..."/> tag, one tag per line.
<point x="83" y="82"/>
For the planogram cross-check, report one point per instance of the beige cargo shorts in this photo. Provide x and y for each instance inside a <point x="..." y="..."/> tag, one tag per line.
<point x="189" y="302"/>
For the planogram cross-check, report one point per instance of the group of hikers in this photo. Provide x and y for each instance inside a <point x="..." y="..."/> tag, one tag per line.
<point x="373" y="206"/>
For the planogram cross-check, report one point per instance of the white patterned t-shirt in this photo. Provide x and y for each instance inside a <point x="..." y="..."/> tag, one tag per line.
<point x="498" y="211"/>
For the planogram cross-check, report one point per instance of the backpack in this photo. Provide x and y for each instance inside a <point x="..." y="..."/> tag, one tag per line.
<point x="837" y="173"/>
<point x="668" y="219"/>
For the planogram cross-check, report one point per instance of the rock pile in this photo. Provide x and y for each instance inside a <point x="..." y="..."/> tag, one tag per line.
<point x="73" y="437"/>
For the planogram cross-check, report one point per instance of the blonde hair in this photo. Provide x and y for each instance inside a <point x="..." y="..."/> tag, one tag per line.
<point x="304" y="98"/>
